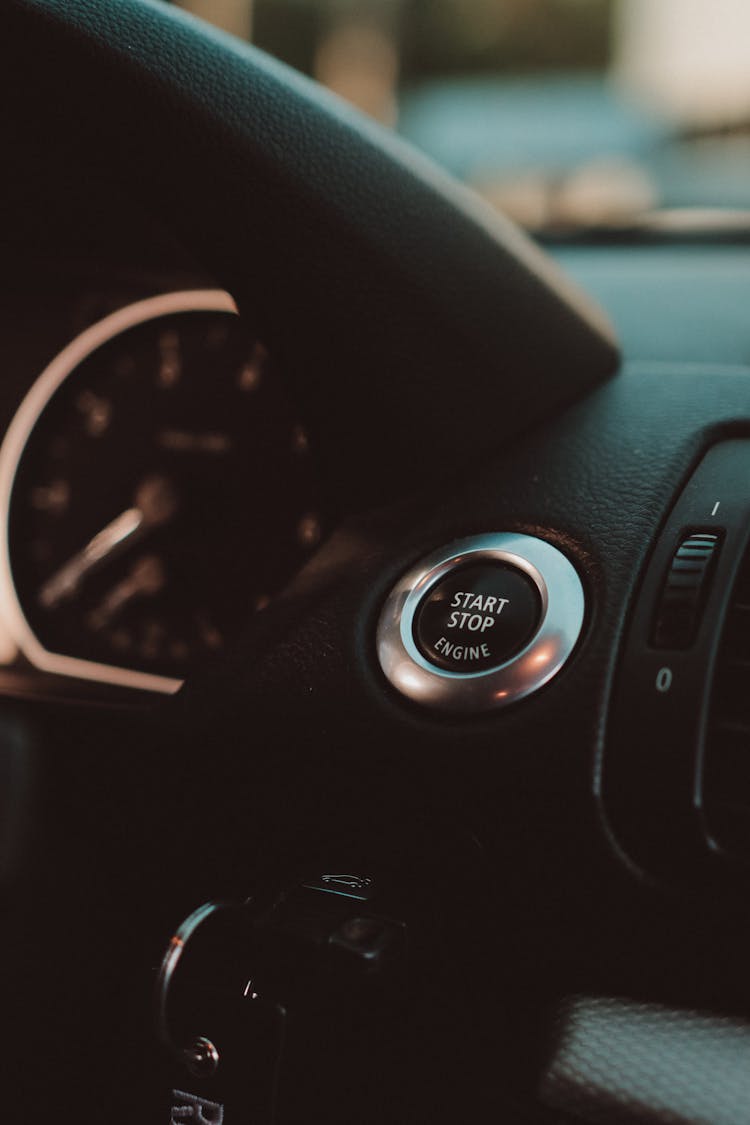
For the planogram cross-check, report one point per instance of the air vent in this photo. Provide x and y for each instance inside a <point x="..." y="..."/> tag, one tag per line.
<point x="726" y="772"/>
<point x="674" y="724"/>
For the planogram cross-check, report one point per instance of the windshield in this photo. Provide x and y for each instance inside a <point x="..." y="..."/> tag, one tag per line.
<point x="564" y="114"/>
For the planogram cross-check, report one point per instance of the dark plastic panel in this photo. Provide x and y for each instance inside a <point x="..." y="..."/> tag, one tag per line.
<point x="424" y="330"/>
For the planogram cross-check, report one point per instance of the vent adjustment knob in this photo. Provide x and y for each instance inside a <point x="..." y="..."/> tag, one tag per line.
<point x="684" y="592"/>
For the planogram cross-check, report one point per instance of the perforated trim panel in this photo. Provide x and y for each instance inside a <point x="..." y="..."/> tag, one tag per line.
<point x="616" y="1062"/>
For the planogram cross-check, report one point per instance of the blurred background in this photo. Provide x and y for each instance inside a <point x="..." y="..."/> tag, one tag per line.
<point x="566" y="114"/>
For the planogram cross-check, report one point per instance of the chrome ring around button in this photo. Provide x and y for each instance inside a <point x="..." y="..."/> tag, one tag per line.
<point x="559" y="627"/>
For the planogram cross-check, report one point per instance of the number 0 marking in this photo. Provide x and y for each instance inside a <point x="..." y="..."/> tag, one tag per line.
<point x="664" y="680"/>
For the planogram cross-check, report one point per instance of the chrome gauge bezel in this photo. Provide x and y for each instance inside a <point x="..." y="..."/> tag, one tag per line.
<point x="19" y="635"/>
<point x="561" y="621"/>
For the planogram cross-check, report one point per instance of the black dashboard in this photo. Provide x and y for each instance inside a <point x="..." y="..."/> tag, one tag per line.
<point x="70" y="333"/>
<point x="449" y="911"/>
<point x="78" y="341"/>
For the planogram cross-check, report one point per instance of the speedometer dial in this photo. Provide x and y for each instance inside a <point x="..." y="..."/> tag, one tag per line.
<point x="158" y="491"/>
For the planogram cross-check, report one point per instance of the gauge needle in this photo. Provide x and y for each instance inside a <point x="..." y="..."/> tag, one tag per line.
<point x="146" y="578"/>
<point x="155" y="503"/>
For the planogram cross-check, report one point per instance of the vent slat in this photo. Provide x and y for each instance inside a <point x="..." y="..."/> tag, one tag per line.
<point x="735" y="643"/>
<point x="726" y="775"/>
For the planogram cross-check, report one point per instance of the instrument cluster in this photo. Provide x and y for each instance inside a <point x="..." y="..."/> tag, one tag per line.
<point x="158" y="489"/>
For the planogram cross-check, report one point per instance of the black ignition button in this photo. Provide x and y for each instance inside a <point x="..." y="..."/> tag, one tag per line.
<point x="477" y="617"/>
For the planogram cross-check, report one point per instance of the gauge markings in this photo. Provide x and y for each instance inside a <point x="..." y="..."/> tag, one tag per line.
<point x="182" y="441"/>
<point x="97" y="413"/>
<point x="300" y="440"/>
<point x="208" y="632"/>
<point x="53" y="498"/>
<point x="166" y="490"/>
<point x="309" y="530"/>
<point x="251" y="373"/>
<point x="170" y="365"/>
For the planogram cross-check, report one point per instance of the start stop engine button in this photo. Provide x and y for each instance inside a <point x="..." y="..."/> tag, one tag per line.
<point x="480" y="623"/>
<point x="477" y="617"/>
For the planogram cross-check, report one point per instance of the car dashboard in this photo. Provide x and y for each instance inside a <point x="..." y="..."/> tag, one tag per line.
<point x="259" y="399"/>
<point x="123" y="385"/>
